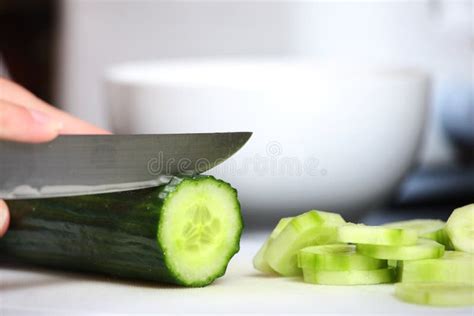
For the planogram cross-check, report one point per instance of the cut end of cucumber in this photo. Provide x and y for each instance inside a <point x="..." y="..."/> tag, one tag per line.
<point x="200" y="229"/>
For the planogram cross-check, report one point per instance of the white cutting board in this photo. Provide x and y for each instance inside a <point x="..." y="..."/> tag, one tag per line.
<point x="26" y="290"/>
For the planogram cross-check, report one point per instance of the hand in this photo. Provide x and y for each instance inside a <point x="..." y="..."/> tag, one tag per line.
<point x="25" y="118"/>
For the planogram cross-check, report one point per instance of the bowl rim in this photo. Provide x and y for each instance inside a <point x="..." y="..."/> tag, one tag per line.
<point x="188" y="72"/>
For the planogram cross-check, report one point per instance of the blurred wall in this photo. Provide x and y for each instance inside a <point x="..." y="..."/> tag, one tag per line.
<point x="97" y="34"/>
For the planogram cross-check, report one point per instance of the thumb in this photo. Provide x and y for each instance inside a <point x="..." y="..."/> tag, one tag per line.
<point x="4" y="218"/>
<point x="20" y="124"/>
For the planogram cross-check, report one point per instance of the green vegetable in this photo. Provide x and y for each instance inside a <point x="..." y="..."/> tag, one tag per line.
<point x="392" y="263"/>
<point x="349" y="277"/>
<point x="423" y="249"/>
<point x="460" y="228"/>
<point x="376" y="235"/>
<point x="326" y="250"/>
<point x="436" y="294"/>
<point x="184" y="232"/>
<point x="426" y="228"/>
<point x="337" y="257"/>
<point x="259" y="261"/>
<point x="454" y="266"/>
<point x="307" y="229"/>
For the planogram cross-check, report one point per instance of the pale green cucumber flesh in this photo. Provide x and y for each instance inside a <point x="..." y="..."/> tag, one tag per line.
<point x="310" y="228"/>
<point x="337" y="257"/>
<point x="376" y="235"/>
<point x="200" y="228"/>
<point x="423" y="249"/>
<point x="259" y="261"/>
<point x="454" y="266"/>
<point x="460" y="228"/>
<point x="350" y="277"/>
<point x="426" y="228"/>
<point x="282" y="223"/>
<point x="392" y="263"/>
<point x="440" y="236"/>
<point x="436" y="294"/>
<point x="422" y="226"/>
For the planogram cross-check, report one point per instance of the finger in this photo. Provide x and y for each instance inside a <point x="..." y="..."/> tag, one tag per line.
<point x="26" y="125"/>
<point x="14" y="93"/>
<point x="4" y="218"/>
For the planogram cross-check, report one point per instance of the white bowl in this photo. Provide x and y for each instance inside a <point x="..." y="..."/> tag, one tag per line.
<point x="327" y="137"/>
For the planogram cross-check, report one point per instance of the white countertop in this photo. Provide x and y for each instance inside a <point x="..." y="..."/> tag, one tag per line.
<point x="26" y="290"/>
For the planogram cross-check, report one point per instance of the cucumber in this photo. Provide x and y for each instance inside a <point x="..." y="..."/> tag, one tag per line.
<point x="422" y="226"/>
<point x="376" y="235"/>
<point x="310" y="228"/>
<point x="337" y="257"/>
<point x="460" y="228"/>
<point x="397" y="266"/>
<point x="259" y="261"/>
<point x="423" y="249"/>
<point x="350" y="277"/>
<point x="183" y="233"/>
<point x="392" y="263"/>
<point x="441" y="237"/>
<point x="454" y="266"/>
<point x="436" y="294"/>
<point x="433" y="229"/>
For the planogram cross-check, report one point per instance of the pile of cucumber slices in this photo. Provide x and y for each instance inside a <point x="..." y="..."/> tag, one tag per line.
<point x="431" y="262"/>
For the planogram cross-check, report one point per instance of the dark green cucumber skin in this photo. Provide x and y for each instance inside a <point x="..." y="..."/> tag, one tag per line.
<point x="113" y="233"/>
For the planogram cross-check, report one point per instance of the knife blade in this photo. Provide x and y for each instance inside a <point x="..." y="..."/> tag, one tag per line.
<point x="89" y="164"/>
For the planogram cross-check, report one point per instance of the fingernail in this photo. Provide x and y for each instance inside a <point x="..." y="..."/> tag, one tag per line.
<point x="44" y="119"/>
<point x="4" y="218"/>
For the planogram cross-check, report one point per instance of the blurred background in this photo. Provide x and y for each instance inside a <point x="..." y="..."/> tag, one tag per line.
<point x="61" y="50"/>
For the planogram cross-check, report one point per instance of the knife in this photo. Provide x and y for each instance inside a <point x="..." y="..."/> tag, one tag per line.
<point x="89" y="164"/>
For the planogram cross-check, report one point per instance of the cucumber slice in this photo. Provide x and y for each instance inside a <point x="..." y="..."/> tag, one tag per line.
<point x="376" y="235"/>
<point x="310" y="228"/>
<point x="184" y="232"/>
<point x="441" y="237"/>
<point x="423" y="249"/>
<point x="460" y="228"/>
<point x="337" y="257"/>
<point x="259" y="261"/>
<point x="426" y="228"/>
<point x="422" y="226"/>
<point x="454" y="266"/>
<point x="436" y="294"/>
<point x="350" y="277"/>
<point x="397" y="267"/>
